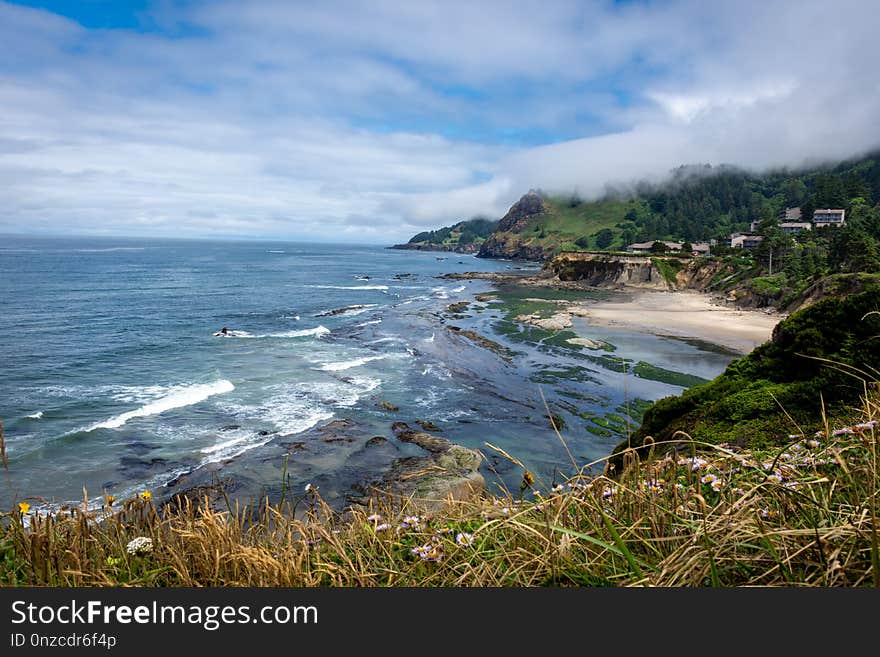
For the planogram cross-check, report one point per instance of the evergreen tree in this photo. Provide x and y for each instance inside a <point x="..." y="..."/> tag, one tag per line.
<point x="604" y="238"/>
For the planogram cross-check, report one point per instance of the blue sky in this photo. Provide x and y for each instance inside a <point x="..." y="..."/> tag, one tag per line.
<point x="346" y="120"/>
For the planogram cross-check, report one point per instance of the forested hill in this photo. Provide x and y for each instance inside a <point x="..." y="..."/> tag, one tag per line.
<point x="463" y="237"/>
<point x="699" y="203"/>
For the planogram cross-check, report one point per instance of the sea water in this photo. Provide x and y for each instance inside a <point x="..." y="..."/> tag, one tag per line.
<point x="116" y="378"/>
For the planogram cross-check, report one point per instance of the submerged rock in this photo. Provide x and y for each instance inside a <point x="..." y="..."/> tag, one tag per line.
<point x="482" y="341"/>
<point x="556" y="322"/>
<point x="388" y="406"/>
<point x="341" y="311"/>
<point x="213" y="495"/>
<point x="586" y="342"/>
<point x="449" y="471"/>
<point x="427" y="425"/>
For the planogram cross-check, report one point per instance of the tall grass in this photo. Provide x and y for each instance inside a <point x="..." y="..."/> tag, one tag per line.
<point x="802" y="515"/>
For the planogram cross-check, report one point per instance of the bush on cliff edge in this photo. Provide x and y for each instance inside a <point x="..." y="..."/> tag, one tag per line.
<point x="821" y="358"/>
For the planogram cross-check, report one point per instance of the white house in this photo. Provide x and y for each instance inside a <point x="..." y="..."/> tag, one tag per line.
<point x="829" y="217"/>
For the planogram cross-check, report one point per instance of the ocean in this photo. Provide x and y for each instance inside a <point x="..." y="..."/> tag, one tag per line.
<point x="115" y="380"/>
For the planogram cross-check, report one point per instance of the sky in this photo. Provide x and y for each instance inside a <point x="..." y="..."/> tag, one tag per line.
<point x="370" y="121"/>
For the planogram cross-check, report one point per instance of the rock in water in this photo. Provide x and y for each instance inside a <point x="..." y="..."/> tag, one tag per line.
<point x="448" y="472"/>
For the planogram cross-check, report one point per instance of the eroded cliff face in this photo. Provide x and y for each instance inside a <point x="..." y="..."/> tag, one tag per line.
<point x="609" y="271"/>
<point x="638" y="271"/>
<point x="510" y="239"/>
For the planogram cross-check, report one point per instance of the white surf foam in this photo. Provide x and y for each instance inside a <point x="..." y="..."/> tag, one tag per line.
<point x="436" y="371"/>
<point x="177" y="397"/>
<point x="317" y="331"/>
<point x="364" y="384"/>
<point x="413" y="300"/>
<point x="302" y="333"/>
<point x="349" y="287"/>
<point x="348" y="364"/>
<point x="358" y="311"/>
<point x="35" y="416"/>
<point x="381" y="340"/>
<point x="233" y="334"/>
<point x="372" y="321"/>
<point x="294" y="408"/>
<point x="458" y="289"/>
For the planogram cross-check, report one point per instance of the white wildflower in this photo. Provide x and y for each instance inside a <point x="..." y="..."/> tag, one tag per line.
<point x="139" y="545"/>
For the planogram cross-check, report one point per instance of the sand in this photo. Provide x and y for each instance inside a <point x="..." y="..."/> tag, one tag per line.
<point x="684" y="314"/>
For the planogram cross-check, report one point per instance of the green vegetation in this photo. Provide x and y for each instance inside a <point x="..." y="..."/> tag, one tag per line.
<point x="668" y="267"/>
<point x="473" y="231"/>
<point x="568" y="222"/>
<point x="645" y="370"/>
<point x="635" y="408"/>
<point x="572" y="373"/>
<point x="821" y="360"/>
<point x="802" y="515"/>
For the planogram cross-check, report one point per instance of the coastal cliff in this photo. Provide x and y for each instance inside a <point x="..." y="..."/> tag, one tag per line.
<point x="597" y="270"/>
<point x="463" y="237"/>
<point x="515" y="238"/>
<point x="637" y="271"/>
<point x="427" y="246"/>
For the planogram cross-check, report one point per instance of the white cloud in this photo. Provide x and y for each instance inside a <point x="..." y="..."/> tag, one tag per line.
<point x="372" y="120"/>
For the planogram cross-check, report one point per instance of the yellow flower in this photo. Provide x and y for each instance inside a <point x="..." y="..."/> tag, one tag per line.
<point x="110" y="500"/>
<point x="147" y="495"/>
<point x="24" y="507"/>
<point x="527" y="480"/>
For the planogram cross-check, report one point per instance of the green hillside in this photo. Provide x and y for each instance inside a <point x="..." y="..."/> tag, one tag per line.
<point x="820" y="363"/>
<point x="465" y="237"/>
<point x="570" y="224"/>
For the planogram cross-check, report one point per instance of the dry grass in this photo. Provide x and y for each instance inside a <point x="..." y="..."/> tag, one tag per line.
<point x="805" y="515"/>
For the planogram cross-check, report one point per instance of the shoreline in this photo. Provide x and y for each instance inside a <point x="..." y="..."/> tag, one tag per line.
<point x="679" y="313"/>
<point x="684" y="314"/>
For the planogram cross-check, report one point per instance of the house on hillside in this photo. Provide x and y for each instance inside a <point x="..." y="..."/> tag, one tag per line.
<point x="645" y="247"/>
<point x="829" y="217"/>
<point x="745" y="241"/>
<point x="790" y="214"/>
<point x="701" y="248"/>
<point x="791" y="227"/>
<point x="752" y="242"/>
<point x="787" y="217"/>
<point x="736" y="240"/>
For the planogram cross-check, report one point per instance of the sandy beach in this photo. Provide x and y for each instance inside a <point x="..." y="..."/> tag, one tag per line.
<point x="684" y="314"/>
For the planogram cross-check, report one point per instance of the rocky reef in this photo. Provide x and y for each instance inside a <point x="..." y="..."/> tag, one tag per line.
<point x="447" y="471"/>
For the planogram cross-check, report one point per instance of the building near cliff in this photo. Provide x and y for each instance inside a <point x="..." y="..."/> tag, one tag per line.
<point x="745" y="241"/>
<point x="701" y="248"/>
<point x="645" y="247"/>
<point x="828" y="217"/>
<point x="791" y="227"/>
<point x="790" y="214"/>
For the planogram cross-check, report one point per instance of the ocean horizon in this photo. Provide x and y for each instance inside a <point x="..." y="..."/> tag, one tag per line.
<point x="117" y="378"/>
